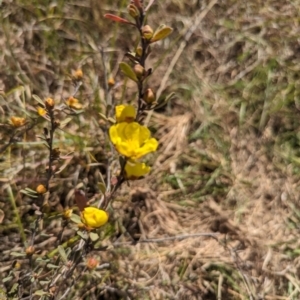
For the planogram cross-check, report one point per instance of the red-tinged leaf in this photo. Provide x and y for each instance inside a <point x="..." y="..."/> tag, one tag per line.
<point x="80" y="199"/>
<point x="117" y="19"/>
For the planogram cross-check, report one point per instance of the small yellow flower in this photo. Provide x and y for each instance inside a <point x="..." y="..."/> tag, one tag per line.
<point x="41" y="111"/>
<point x="132" y="139"/>
<point x="17" y="121"/>
<point x="93" y="217"/>
<point x="125" y="113"/>
<point x="135" y="170"/>
<point x="78" y="74"/>
<point x="74" y="103"/>
<point x="41" y="189"/>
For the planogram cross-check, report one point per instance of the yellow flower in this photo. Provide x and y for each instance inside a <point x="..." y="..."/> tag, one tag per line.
<point x="125" y="113"/>
<point x="74" y="103"/>
<point x="78" y="74"/>
<point x="93" y="217"/>
<point x="41" y="111"/>
<point x="132" y="139"/>
<point x="17" y="121"/>
<point x="134" y="170"/>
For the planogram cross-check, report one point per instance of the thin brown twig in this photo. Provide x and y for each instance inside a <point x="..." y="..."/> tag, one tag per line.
<point x="172" y="238"/>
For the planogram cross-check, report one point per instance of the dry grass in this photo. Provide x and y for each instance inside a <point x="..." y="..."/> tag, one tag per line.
<point x="228" y="161"/>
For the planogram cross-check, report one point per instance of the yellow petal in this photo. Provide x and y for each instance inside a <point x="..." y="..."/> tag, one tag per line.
<point x="134" y="170"/>
<point x="41" y="111"/>
<point x="125" y="113"/>
<point x="74" y="103"/>
<point x="149" y="146"/>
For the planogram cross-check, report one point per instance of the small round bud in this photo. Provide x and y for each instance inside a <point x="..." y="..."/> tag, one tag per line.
<point x="41" y="189"/>
<point x="111" y="81"/>
<point x="139" y="70"/>
<point x="92" y="263"/>
<point x="49" y="103"/>
<point x="139" y="51"/>
<point x="68" y="213"/>
<point x="133" y="11"/>
<point x="30" y="250"/>
<point x="17" y="265"/>
<point x="149" y="96"/>
<point x="147" y="32"/>
<point x="52" y="290"/>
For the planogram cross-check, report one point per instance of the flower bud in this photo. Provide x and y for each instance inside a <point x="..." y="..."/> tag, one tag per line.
<point x="139" y="71"/>
<point x="133" y="11"/>
<point x="147" y="32"/>
<point x="17" y="265"/>
<point x="139" y="51"/>
<point x="49" y="103"/>
<point x="92" y="263"/>
<point x="149" y="96"/>
<point x="30" y="250"/>
<point x="68" y="213"/>
<point x="41" y="189"/>
<point x="111" y="81"/>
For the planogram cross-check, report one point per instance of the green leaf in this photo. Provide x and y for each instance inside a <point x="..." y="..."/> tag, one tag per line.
<point x="94" y="236"/>
<point x="162" y="32"/>
<point x="103" y="116"/>
<point x="128" y="71"/>
<point x="65" y="122"/>
<point x="8" y="278"/>
<point x="62" y="253"/>
<point x="51" y="266"/>
<point x="76" y="219"/>
<point x="163" y="102"/>
<point x="39" y="100"/>
<point x="102" y="187"/>
<point x="40" y="293"/>
<point x="83" y="235"/>
<point x="18" y="254"/>
<point x="30" y="191"/>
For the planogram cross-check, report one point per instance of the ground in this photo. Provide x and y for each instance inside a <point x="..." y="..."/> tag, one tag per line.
<point x="221" y="202"/>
